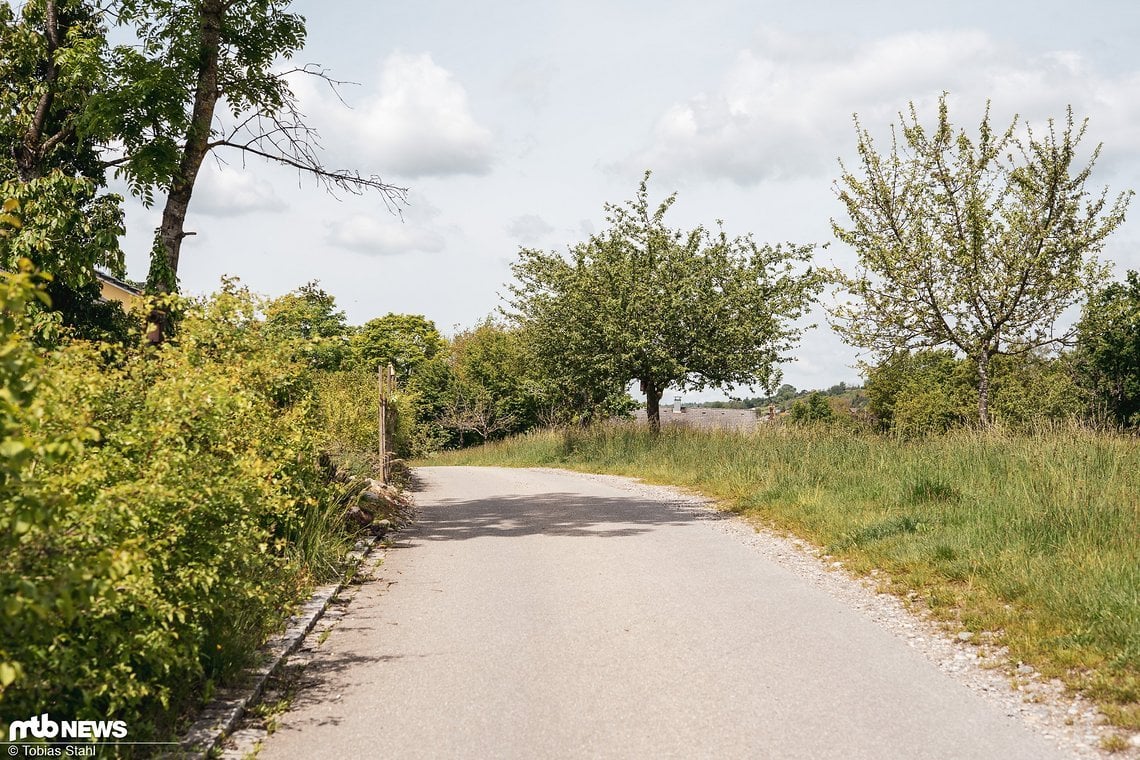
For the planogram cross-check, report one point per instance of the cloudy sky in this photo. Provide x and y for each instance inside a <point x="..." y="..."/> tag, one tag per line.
<point x="513" y="122"/>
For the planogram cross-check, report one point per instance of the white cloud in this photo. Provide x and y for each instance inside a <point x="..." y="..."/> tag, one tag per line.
<point x="228" y="191"/>
<point x="383" y="236"/>
<point x="784" y="108"/>
<point x="529" y="229"/>
<point x="417" y="124"/>
<point x="386" y="235"/>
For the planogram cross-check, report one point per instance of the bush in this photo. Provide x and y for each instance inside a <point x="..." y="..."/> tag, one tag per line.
<point x="922" y="392"/>
<point x="1108" y="352"/>
<point x="1031" y="388"/>
<point x="915" y="393"/>
<point x="161" y="510"/>
<point x="815" y="409"/>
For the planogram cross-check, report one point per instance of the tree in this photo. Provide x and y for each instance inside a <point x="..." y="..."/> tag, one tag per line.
<point x="405" y="341"/>
<point x="980" y="246"/>
<point x="1108" y="350"/>
<point x="918" y="392"/>
<point x="493" y="391"/>
<point x="1035" y="386"/>
<point x="644" y="302"/>
<point x="52" y="64"/>
<point x="207" y="74"/>
<point x="814" y="409"/>
<point x="309" y="316"/>
<point x="784" y="395"/>
<point x="472" y="408"/>
<point x="429" y="396"/>
<point x="930" y="391"/>
<point x="200" y="75"/>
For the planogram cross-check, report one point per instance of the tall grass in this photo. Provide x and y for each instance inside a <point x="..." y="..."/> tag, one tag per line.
<point x="1033" y="536"/>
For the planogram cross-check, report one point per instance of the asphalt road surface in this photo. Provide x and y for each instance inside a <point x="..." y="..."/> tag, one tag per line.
<point x="537" y="614"/>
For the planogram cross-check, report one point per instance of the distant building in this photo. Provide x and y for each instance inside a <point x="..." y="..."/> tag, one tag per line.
<point x="114" y="289"/>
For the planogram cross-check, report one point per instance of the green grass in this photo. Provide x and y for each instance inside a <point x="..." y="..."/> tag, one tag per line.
<point x="1035" y="537"/>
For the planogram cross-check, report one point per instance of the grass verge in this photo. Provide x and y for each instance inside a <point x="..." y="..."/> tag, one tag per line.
<point x="1035" y="537"/>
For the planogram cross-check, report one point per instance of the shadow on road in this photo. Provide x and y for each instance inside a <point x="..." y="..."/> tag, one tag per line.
<point x="552" y="514"/>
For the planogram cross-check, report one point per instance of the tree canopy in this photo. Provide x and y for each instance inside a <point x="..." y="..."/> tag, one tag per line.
<point x="978" y="245"/>
<point x="52" y="65"/>
<point x="309" y="319"/>
<point x="643" y="302"/>
<point x="1108" y="350"/>
<point x="405" y="341"/>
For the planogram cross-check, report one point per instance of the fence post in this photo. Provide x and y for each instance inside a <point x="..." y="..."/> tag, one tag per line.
<point x="386" y="383"/>
<point x="382" y="423"/>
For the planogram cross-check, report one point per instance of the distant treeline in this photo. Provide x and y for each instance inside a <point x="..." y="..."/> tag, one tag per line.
<point x="783" y="398"/>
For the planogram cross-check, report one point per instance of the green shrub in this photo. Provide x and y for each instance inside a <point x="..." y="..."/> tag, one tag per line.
<point x="920" y="392"/>
<point x="162" y="509"/>
<point x="1108" y="352"/>
<point x="814" y="409"/>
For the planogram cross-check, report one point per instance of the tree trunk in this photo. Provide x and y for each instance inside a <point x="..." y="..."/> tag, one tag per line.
<point x="984" y="388"/>
<point x="29" y="152"/>
<point x="653" y="404"/>
<point x="163" y="276"/>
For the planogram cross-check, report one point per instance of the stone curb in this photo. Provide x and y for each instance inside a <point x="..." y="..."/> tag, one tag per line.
<point x="222" y="715"/>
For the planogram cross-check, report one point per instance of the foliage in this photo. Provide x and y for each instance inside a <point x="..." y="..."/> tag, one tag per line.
<point x="21" y="374"/>
<point x="347" y="406"/>
<point x="406" y="341"/>
<point x="1034" y="388"/>
<point x="161" y="511"/>
<point x="922" y="392"/>
<point x="919" y="392"/>
<point x="307" y="319"/>
<point x="1028" y="536"/>
<point x="641" y="301"/>
<point x="814" y="409"/>
<point x="205" y="75"/>
<point x="68" y="228"/>
<point x="980" y="246"/>
<point x="1108" y="350"/>
<point x="192" y="77"/>
<point x="492" y="393"/>
<point x="782" y="397"/>
<point x="426" y="398"/>
<point x="84" y="313"/>
<point x="52" y="64"/>
<point x="786" y="395"/>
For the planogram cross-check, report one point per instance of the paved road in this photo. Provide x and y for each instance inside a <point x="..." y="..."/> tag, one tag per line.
<point x="533" y="614"/>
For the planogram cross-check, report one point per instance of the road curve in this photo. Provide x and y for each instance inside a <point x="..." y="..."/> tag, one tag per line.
<point x="537" y="614"/>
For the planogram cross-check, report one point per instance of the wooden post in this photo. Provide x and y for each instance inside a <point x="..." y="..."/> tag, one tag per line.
<point x="386" y="382"/>
<point x="382" y="427"/>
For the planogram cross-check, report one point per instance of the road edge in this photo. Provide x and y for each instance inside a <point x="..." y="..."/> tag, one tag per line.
<point x="224" y="713"/>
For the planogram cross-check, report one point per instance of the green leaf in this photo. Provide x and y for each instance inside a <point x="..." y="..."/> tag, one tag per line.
<point x="8" y="674"/>
<point x="12" y="448"/>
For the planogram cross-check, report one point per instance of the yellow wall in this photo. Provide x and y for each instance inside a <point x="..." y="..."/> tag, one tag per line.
<point x="112" y="292"/>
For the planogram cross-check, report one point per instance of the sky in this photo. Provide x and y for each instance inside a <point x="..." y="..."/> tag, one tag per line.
<point x="513" y="123"/>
